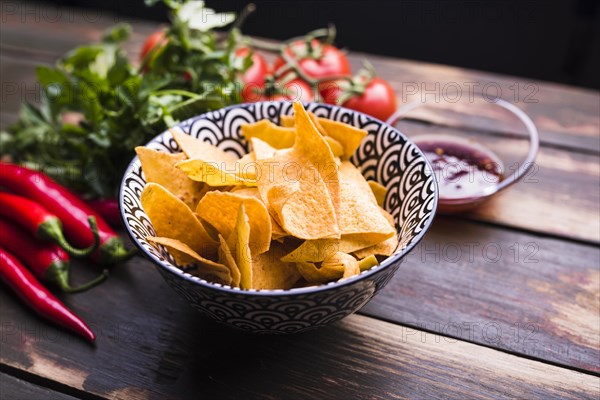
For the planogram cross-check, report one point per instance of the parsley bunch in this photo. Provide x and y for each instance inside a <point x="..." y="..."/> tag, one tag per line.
<point x="96" y="105"/>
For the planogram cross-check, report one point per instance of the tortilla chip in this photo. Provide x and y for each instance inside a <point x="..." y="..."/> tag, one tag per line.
<point x="247" y="191"/>
<point x="288" y="121"/>
<point x="159" y="167"/>
<point x="172" y="218"/>
<point x="276" y="136"/>
<point x="302" y="207"/>
<point x="201" y="150"/>
<point x="313" y="148"/>
<point x="238" y="242"/>
<point x="277" y="231"/>
<point x="349" y="136"/>
<point x="335" y="146"/>
<point x="269" y="272"/>
<point x="360" y="213"/>
<point x="220" y="209"/>
<point x="214" y="174"/>
<point x="206" y="267"/>
<point x="379" y="191"/>
<point x="349" y="263"/>
<point x="318" y="250"/>
<point x="226" y="258"/>
<point x="295" y="187"/>
<point x="261" y="149"/>
<point x="311" y="273"/>
<point x="338" y="265"/>
<point x="368" y="263"/>
<point x="385" y="248"/>
<point x="247" y="167"/>
<point x="317" y="124"/>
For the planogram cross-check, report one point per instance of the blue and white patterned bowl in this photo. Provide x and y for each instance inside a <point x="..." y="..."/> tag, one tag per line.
<point x="385" y="155"/>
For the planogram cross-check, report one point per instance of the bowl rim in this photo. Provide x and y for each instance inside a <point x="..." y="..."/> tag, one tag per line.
<point x="387" y="263"/>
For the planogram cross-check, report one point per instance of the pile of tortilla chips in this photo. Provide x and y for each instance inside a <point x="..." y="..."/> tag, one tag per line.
<point x="293" y="212"/>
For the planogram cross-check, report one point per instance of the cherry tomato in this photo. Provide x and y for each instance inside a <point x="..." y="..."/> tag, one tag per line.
<point x="259" y="69"/>
<point x="378" y="98"/>
<point x="155" y="39"/>
<point x="331" y="92"/>
<point x="296" y="89"/>
<point x="332" y="61"/>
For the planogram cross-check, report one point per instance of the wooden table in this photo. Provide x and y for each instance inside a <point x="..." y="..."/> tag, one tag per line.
<point x="461" y="325"/>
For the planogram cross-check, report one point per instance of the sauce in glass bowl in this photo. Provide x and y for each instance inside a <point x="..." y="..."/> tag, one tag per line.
<point x="464" y="169"/>
<point x="468" y="173"/>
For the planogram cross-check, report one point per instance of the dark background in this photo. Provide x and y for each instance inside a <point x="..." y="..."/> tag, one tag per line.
<point x="549" y="40"/>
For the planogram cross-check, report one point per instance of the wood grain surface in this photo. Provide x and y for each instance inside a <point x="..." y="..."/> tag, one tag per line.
<point x="12" y="388"/>
<point x="151" y="345"/>
<point x="526" y="294"/>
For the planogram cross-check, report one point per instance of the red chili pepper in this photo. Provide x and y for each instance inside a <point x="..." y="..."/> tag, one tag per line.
<point x="43" y="224"/>
<point x="47" y="261"/>
<point x="108" y="208"/>
<point x="32" y="292"/>
<point x="71" y="210"/>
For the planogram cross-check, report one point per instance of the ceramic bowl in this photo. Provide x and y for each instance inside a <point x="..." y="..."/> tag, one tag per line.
<point x="385" y="155"/>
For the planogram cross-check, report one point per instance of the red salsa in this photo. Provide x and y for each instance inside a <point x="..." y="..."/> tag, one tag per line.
<point x="462" y="169"/>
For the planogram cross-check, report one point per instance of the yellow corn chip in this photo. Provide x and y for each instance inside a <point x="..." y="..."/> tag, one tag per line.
<point x="348" y="136"/>
<point x="379" y="191"/>
<point x="213" y="173"/>
<point x="360" y="213"/>
<point x="247" y="167"/>
<point x="262" y="149"/>
<point x="318" y="125"/>
<point x="201" y="150"/>
<point x="182" y="252"/>
<point x="238" y="243"/>
<point x="276" y="136"/>
<point x="159" y="167"/>
<point x="219" y="209"/>
<point x="210" y="230"/>
<point x="289" y="122"/>
<point x="300" y="186"/>
<point x="385" y="248"/>
<point x="338" y="265"/>
<point x="318" y="250"/>
<point x="311" y="273"/>
<point x="335" y="146"/>
<point x="268" y="272"/>
<point x="173" y="219"/>
<point x="302" y="207"/>
<point x="226" y="258"/>
<point x="277" y="231"/>
<point x="349" y="263"/>
<point x="368" y="263"/>
<point x="313" y="147"/>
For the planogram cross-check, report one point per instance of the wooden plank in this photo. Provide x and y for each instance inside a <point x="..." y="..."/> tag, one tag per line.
<point x="523" y="293"/>
<point x="12" y="388"/>
<point x="555" y="198"/>
<point x="566" y="116"/>
<point x="152" y="345"/>
<point x="51" y="30"/>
